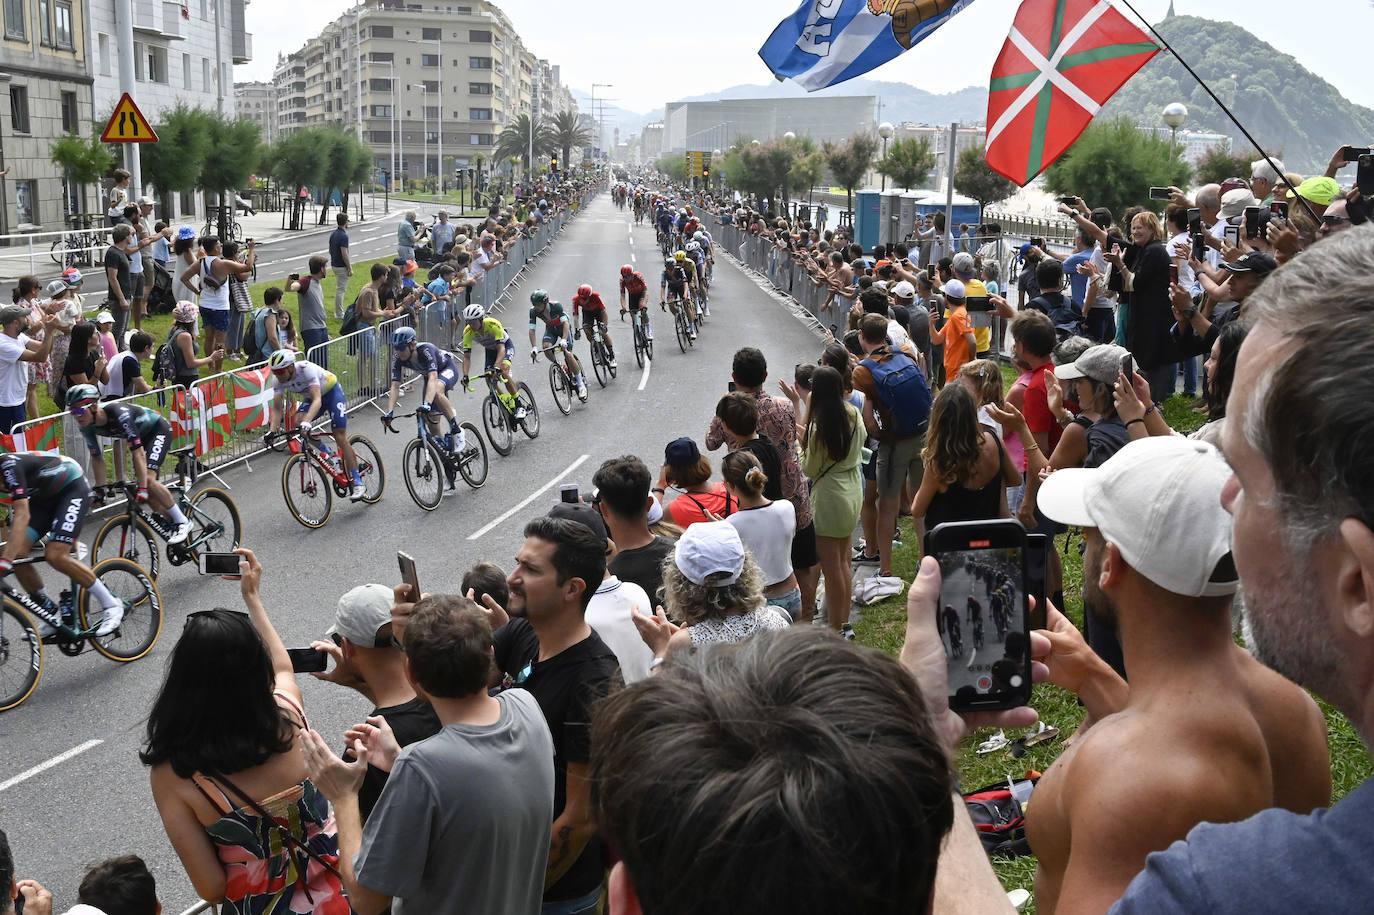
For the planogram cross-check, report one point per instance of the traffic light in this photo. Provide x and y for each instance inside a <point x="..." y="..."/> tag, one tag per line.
<point x="706" y="172"/>
<point x="553" y="164"/>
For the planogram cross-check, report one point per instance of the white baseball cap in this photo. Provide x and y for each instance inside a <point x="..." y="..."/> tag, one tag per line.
<point x="104" y="318"/>
<point x="1159" y="500"/>
<point x="361" y="614"/>
<point x="904" y="290"/>
<point x="955" y="290"/>
<point x="707" y="549"/>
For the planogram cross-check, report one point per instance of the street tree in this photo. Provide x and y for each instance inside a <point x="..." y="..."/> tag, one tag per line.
<point x="347" y="163"/>
<point x="173" y="164"/>
<point x="1219" y="163"/>
<point x="295" y="161"/>
<point x="522" y="134"/>
<point x="1113" y="161"/>
<point x="674" y="168"/>
<point x="235" y="149"/>
<point x="849" y="162"/>
<point x="83" y="161"/>
<point x="568" y="132"/>
<point x="909" y="161"/>
<point x="973" y="177"/>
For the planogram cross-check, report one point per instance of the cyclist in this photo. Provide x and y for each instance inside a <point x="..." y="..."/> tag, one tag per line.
<point x="698" y="260"/>
<point x="322" y="392"/>
<point x="558" y="335"/>
<point x="478" y="328"/>
<point x="439" y="368"/>
<point x="664" y="220"/>
<point x="707" y="243"/>
<point x="633" y="291"/>
<point x="588" y="301"/>
<point x="147" y="435"/>
<point x="49" y="498"/>
<point x="674" y="288"/>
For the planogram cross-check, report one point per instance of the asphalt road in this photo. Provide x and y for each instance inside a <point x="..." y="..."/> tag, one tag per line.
<point x="96" y="803"/>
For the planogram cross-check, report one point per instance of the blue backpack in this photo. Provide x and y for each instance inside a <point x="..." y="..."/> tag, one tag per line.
<point x="903" y="390"/>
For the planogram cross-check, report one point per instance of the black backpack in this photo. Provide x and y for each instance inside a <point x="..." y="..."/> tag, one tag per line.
<point x="350" y="320"/>
<point x="165" y="359"/>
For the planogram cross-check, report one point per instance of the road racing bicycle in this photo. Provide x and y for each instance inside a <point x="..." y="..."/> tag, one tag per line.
<point x="428" y="464"/>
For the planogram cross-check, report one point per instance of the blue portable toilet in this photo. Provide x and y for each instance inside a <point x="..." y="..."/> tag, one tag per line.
<point x="867" y="218"/>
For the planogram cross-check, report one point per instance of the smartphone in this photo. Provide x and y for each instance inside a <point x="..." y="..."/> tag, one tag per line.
<point x="408" y="573"/>
<point x="1232" y="236"/>
<point x="1173" y="274"/>
<point x="1252" y="222"/>
<point x="730" y="387"/>
<point x="308" y="660"/>
<point x="219" y="563"/>
<point x="1200" y="246"/>
<point x="1194" y="221"/>
<point x="1161" y="193"/>
<point x="1364" y="176"/>
<point x="1070" y="201"/>
<point x="983" y="612"/>
<point x="1036" y="559"/>
<point x="1127" y="365"/>
<point x="930" y="272"/>
<point x="1278" y="210"/>
<point x="1353" y="153"/>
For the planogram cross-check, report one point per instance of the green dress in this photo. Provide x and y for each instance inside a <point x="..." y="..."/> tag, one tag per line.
<point x="837" y="492"/>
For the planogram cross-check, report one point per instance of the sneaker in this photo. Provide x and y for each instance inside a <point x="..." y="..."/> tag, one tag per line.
<point x="110" y="621"/>
<point x="611" y="362"/>
<point x="863" y="559"/>
<point x="45" y="630"/>
<point x="357" y="491"/>
<point x="994" y="743"/>
<point x="847" y="632"/>
<point x="448" y="441"/>
<point x="582" y="390"/>
<point x="649" y="334"/>
<point x="180" y="532"/>
<point x="520" y="412"/>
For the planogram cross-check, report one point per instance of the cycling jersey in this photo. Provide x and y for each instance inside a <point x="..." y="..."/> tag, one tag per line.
<point x="30" y="475"/>
<point x="139" y="426"/>
<point x="592" y="309"/>
<point x="490" y="336"/>
<point x="554" y="317"/>
<point x="308" y="374"/>
<point x="675" y="277"/>
<point x="425" y="358"/>
<point x="634" y="287"/>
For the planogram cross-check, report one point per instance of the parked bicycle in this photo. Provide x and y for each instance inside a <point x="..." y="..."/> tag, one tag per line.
<point x="428" y="463"/>
<point x="75" y="249"/>
<point x="233" y="230"/>
<point x="75" y="619"/>
<point x="314" y="474"/>
<point x="135" y="531"/>
<point x="498" y="419"/>
<point x="561" y="383"/>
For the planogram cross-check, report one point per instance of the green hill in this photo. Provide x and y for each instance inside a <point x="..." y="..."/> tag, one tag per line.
<point x="1285" y="106"/>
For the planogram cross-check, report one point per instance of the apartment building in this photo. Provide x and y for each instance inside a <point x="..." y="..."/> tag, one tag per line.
<point x="428" y="88"/>
<point x="257" y="102"/>
<point x="45" y="71"/>
<point x="937" y="135"/>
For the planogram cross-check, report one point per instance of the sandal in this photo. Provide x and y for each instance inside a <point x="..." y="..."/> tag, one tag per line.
<point x="1043" y="733"/>
<point x="994" y="743"/>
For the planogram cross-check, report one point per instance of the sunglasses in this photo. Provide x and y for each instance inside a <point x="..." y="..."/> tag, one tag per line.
<point x="83" y="409"/>
<point x="1334" y="220"/>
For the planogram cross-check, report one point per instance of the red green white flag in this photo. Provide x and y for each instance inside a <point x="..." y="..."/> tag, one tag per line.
<point x="41" y="436"/>
<point x="210" y="403"/>
<point x="1060" y="64"/>
<point x="253" y="392"/>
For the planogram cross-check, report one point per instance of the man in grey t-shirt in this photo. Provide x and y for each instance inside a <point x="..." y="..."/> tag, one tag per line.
<point x="314" y="330"/>
<point x="463" y="823"/>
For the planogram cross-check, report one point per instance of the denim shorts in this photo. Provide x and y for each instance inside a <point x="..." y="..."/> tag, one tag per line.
<point x="789" y="603"/>
<point x="215" y="318"/>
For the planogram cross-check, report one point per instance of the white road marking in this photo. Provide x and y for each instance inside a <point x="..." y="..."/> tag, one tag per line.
<point x="644" y="378"/>
<point x="526" y="501"/>
<point x="42" y="767"/>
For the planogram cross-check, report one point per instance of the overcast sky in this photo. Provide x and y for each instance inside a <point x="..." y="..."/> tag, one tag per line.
<point x="714" y="44"/>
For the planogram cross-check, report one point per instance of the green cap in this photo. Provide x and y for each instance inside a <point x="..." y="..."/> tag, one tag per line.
<point x="1320" y="191"/>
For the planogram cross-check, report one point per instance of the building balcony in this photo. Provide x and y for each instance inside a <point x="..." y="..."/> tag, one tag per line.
<point x="159" y="18"/>
<point x="243" y="47"/>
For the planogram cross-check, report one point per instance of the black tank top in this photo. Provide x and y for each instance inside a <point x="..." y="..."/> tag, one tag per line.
<point x="959" y="503"/>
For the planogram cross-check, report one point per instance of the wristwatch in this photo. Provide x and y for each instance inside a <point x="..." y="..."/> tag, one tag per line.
<point x="1189" y="312"/>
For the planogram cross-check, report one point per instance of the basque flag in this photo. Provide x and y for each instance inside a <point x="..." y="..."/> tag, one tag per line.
<point x="826" y="42"/>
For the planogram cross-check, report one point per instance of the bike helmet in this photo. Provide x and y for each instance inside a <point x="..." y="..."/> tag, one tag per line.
<point x="627" y="271"/>
<point x="404" y="336"/>
<point x="82" y="393"/>
<point x="584" y="292"/>
<point x="679" y="256"/>
<point x="474" y="312"/>
<point x="693" y="247"/>
<point x="701" y="235"/>
<point x="539" y="297"/>
<point x="281" y="359"/>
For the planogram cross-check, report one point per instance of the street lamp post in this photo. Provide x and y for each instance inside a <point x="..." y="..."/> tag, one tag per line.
<point x="885" y="131"/>
<point x="439" y="58"/>
<point x="1174" y="115"/>
<point x="424" y="126"/>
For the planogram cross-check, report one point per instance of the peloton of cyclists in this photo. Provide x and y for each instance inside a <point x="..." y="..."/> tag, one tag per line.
<point x="439" y="368"/>
<point x="558" y="335"/>
<point x="499" y="350"/>
<point x="322" y="392"/>
<point x="593" y="310"/>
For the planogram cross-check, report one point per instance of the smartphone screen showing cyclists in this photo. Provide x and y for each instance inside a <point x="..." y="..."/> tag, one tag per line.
<point x="982" y="616"/>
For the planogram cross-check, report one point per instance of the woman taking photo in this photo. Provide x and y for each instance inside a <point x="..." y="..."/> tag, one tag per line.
<point x="227" y="774"/>
<point x="1149" y="312"/>
<point x="183" y="258"/>
<point x="967" y="471"/>
<point x="182" y="339"/>
<point x="832" y="449"/>
<point x="85" y="360"/>
<point x="766" y="527"/>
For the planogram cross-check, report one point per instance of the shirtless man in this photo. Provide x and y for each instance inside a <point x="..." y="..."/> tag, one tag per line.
<point x="1204" y="732"/>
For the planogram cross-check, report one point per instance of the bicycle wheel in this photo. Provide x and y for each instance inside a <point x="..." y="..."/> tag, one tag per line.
<point x="609" y="367"/>
<point x="562" y="391"/>
<point x="599" y="363"/>
<point x="142" y="623"/>
<point x="133" y="540"/>
<point x="307" y="491"/>
<point x="370" y="468"/>
<point x="21" y="656"/>
<point x="423" y="472"/>
<point x="680" y="325"/>
<point x="474" y="466"/>
<point x="639" y="346"/>
<point x="530" y="423"/>
<point x="58" y="253"/>
<point x="498" y="425"/>
<point x="217" y="517"/>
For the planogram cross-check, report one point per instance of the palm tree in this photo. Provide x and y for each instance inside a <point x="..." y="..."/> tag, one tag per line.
<point x="515" y="141"/>
<point x="569" y="131"/>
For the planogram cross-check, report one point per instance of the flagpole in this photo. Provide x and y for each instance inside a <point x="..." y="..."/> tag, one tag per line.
<point x="1222" y="105"/>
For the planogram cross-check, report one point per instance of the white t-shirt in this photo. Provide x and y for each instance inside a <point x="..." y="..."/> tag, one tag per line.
<point x="117" y="368"/>
<point x="609" y="615"/>
<point x="1186" y="277"/>
<point x="482" y="263"/>
<point x="767" y="532"/>
<point x="14" y="375"/>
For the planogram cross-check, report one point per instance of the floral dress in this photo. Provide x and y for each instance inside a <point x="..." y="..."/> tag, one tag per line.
<point x="38" y="371"/>
<point x="264" y="874"/>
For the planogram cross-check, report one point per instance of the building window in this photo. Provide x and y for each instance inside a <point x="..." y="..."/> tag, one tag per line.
<point x="431" y="34"/>
<point x="15" y="14"/>
<point x="19" y="109"/>
<point x="157" y="64"/>
<point x="45" y="22"/>
<point x="71" y="116"/>
<point x="429" y="60"/>
<point x="204" y="9"/>
<point x="102" y="52"/>
<point x="479" y="63"/>
<point x="381" y="111"/>
<point x="479" y="88"/>
<point x="432" y="111"/>
<point x="62" y="25"/>
<point x="479" y="36"/>
<point x="480" y="139"/>
<point x="479" y="114"/>
<point x="431" y="85"/>
<point x="205" y="73"/>
<point x="25" y="201"/>
<point x="186" y="71"/>
<point x="381" y="57"/>
<point x="383" y="31"/>
<point x="379" y="85"/>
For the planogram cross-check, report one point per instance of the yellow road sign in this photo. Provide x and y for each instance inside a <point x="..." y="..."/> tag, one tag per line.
<point x="128" y="125"/>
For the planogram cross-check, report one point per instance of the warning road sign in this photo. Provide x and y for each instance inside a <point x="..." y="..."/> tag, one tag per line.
<point x="128" y="125"/>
